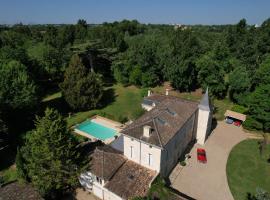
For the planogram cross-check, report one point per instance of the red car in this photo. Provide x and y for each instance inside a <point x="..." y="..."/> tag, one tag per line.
<point x="237" y="123"/>
<point x="201" y="155"/>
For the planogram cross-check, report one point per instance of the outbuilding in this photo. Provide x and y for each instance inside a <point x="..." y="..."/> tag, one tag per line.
<point x="234" y="117"/>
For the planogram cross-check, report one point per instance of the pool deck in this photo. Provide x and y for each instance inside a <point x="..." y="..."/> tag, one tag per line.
<point x="103" y="121"/>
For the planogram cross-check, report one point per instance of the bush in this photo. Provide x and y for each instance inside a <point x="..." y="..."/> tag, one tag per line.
<point x="144" y="92"/>
<point x="183" y="163"/>
<point x="239" y="109"/>
<point x="252" y="124"/>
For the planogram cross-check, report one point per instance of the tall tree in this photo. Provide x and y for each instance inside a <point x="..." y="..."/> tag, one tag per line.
<point x="186" y="49"/>
<point x="3" y="135"/>
<point x="17" y="90"/>
<point x="239" y="85"/>
<point x="262" y="75"/>
<point x="259" y="108"/>
<point x="81" y="29"/>
<point x="50" y="158"/>
<point x="211" y="75"/>
<point x="82" y="89"/>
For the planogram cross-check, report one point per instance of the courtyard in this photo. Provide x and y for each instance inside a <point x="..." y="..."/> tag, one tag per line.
<point x="209" y="181"/>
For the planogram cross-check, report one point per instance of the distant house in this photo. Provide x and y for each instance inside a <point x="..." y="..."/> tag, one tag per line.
<point x="152" y="145"/>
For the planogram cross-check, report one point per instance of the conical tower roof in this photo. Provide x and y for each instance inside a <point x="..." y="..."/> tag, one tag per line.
<point x="204" y="104"/>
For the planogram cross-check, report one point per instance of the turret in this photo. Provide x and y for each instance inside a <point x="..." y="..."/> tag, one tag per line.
<point x="204" y="119"/>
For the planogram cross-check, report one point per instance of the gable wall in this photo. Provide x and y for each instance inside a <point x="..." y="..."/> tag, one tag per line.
<point x="141" y="151"/>
<point x="177" y="145"/>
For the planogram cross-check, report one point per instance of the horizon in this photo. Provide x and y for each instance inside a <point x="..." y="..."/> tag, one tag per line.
<point x="209" y="12"/>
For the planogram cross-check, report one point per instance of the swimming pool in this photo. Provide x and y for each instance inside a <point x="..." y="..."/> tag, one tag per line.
<point x="96" y="130"/>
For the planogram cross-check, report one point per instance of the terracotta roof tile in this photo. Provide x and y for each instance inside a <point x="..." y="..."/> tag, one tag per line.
<point x="17" y="191"/>
<point x="131" y="180"/>
<point x="105" y="161"/>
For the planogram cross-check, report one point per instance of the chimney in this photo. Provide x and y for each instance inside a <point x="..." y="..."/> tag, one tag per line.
<point x="146" y="131"/>
<point x="167" y="92"/>
<point x="149" y="93"/>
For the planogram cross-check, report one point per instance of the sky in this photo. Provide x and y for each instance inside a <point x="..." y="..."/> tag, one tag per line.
<point x="145" y="11"/>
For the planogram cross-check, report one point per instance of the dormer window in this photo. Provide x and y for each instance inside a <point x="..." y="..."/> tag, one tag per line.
<point x="171" y="112"/>
<point x="161" y="121"/>
<point x="147" y="131"/>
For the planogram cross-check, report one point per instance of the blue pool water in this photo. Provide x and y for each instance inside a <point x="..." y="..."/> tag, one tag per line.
<point x="96" y="130"/>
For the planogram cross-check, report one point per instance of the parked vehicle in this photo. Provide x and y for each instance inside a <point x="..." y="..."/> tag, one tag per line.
<point x="201" y="155"/>
<point x="229" y="120"/>
<point x="237" y="123"/>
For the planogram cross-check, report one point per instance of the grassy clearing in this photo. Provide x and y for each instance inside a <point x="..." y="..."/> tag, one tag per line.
<point x="120" y="102"/>
<point x="52" y="96"/>
<point x="220" y="108"/>
<point x="247" y="170"/>
<point x="9" y="174"/>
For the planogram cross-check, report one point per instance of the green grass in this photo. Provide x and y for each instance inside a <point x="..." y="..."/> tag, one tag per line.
<point x="247" y="170"/>
<point x="126" y="103"/>
<point x="220" y="108"/>
<point x="52" y="97"/>
<point x="9" y="174"/>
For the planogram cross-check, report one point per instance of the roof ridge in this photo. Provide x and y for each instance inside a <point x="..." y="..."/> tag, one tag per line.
<point x="157" y="133"/>
<point x="162" y="110"/>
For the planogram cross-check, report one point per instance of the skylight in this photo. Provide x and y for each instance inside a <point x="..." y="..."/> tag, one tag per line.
<point x="171" y="112"/>
<point x="161" y="121"/>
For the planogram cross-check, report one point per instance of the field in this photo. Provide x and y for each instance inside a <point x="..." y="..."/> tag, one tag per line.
<point x="247" y="170"/>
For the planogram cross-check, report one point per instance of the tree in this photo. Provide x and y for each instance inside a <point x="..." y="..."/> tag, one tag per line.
<point x="17" y="90"/>
<point x="120" y="72"/>
<point x="52" y="62"/>
<point x="211" y="75"/>
<point x="259" y="102"/>
<point x="186" y="49"/>
<point x="81" y="29"/>
<point x="50" y="156"/>
<point x="239" y="85"/>
<point x="262" y="75"/>
<point x="3" y="135"/>
<point x="50" y="37"/>
<point x="81" y="88"/>
<point x="135" y="76"/>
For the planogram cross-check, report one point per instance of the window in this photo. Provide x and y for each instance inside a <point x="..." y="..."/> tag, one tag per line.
<point x="171" y="112"/>
<point x="161" y="121"/>
<point x="131" y="151"/>
<point x="99" y="180"/>
<point x="150" y="159"/>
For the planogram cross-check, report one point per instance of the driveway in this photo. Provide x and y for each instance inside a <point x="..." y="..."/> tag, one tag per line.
<point x="209" y="181"/>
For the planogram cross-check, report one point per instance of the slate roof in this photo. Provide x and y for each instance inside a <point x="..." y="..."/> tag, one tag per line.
<point x="204" y="104"/>
<point x="105" y="161"/>
<point x="17" y="191"/>
<point x="166" y="118"/>
<point x="131" y="180"/>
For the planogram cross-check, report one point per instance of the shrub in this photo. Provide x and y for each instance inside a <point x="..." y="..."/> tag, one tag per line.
<point x="144" y="92"/>
<point x="183" y="163"/>
<point x="239" y="109"/>
<point x="252" y="124"/>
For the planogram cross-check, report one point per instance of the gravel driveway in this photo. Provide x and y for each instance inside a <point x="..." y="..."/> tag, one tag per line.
<point x="209" y="181"/>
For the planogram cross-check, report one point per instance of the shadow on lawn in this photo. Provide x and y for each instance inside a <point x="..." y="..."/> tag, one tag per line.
<point x="59" y="104"/>
<point x="7" y="158"/>
<point x="108" y="98"/>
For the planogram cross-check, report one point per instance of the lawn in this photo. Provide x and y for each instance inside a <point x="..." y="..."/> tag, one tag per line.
<point x="123" y="103"/>
<point x="220" y="108"/>
<point x="7" y="168"/>
<point x="247" y="170"/>
<point x="119" y="103"/>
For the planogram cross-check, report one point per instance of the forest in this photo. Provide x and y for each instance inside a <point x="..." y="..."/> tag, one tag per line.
<point x="80" y="60"/>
